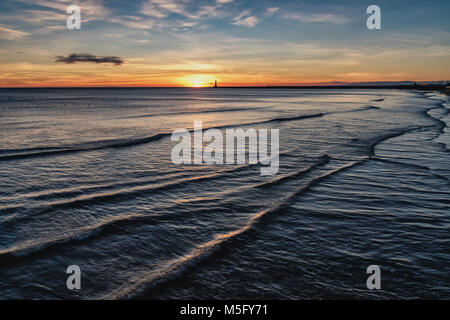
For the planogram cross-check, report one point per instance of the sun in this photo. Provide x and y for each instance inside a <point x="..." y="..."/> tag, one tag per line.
<point x="198" y="81"/>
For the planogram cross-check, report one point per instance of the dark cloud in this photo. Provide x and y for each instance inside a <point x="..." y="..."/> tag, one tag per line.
<point x="85" y="57"/>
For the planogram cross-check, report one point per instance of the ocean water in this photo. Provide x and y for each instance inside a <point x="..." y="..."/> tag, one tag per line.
<point x="86" y="179"/>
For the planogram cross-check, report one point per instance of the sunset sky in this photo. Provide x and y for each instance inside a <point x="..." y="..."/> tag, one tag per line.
<point x="191" y="43"/>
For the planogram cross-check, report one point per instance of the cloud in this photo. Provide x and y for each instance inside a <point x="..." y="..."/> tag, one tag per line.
<point x="134" y="22"/>
<point x="11" y="34"/>
<point x="171" y="5"/>
<point x="224" y="1"/>
<point x="162" y="8"/>
<point x="245" y="19"/>
<point x="90" y="9"/>
<point x="36" y="16"/>
<point x="210" y="12"/>
<point x="189" y="24"/>
<point x="329" y="18"/>
<point x="271" y="11"/>
<point x="85" y="57"/>
<point x="152" y="10"/>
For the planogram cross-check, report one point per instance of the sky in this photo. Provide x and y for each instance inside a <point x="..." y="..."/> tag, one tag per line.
<point x="238" y="42"/>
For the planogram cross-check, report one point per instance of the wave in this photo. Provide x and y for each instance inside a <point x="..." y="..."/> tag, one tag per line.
<point x="89" y="146"/>
<point x="192" y="112"/>
<point x="48" y="194"/>
<point x="115" y="192"/>
<point x="373" y="143"/>
<point x="128" y="142"/>
<point x="27" y="249"/>
<point x="24" y="150"/>
<point x="176" y="267"/>
<point x="34" y="249"/>
<point x="136" y="190"/>
<point x="27" y="153"/>
<point x="364" y="108"/>
<point x="322" y="161"/>
<point x="301" y="117"/>
<point x="442" y="124"/>
<point x="110" y="196"/>
<point x="416" y="166"/>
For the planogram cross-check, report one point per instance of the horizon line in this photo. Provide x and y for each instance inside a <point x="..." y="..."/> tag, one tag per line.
<point x="362" y="85"/>
<point x="376" y="83"/>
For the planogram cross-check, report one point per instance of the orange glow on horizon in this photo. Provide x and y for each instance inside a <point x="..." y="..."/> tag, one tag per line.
<point x="197" y="81"/>
<point x="139" y="74"/>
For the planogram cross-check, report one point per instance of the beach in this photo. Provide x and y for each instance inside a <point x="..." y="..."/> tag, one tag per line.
<point x="87" y="179"/>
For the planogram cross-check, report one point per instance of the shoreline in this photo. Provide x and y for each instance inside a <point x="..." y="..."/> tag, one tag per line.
<point x="441" y="88"/>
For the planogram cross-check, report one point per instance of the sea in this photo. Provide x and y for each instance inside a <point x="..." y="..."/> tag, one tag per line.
<point x="87" y="179"/>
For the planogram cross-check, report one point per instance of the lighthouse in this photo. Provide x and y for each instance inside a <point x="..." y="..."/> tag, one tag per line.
<point x="215" y="84"/>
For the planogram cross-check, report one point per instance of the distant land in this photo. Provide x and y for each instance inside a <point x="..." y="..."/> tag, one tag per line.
<point x="443" y="86"/>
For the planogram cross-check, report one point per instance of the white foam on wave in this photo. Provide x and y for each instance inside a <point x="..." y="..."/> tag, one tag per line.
<point x="443" y="138"/>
